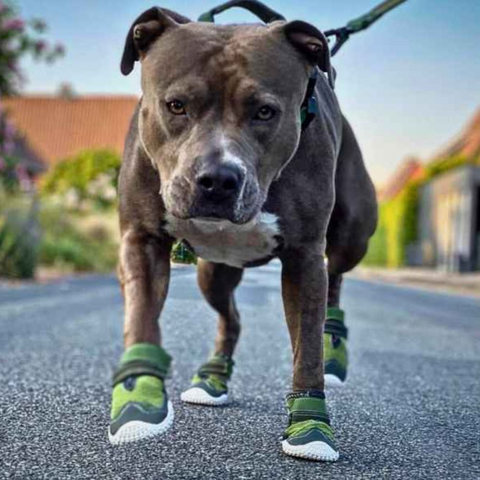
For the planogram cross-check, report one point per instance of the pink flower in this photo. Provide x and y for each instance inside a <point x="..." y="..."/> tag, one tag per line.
<point x="16" y="24"/>
<point x="40" y="46"/>
<point x="12" y="65"/>
<point x="59" y="49"/>
<point x="21" y="172"/>
<point x="9" y="130"/>
<point x="9" y="147"/>
<point x="39" y="25"/>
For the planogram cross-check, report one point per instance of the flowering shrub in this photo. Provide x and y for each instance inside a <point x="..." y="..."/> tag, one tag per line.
<point x="89" y="179"/>
<point x="17" y="38"/>
<point x="19" y="237"/>
<point x="13" y="175"/>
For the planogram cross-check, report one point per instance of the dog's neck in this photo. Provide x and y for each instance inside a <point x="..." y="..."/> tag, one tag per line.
<point x="225" y="242"/>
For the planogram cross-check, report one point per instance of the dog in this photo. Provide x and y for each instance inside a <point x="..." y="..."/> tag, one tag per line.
<point x="219" y="156"/>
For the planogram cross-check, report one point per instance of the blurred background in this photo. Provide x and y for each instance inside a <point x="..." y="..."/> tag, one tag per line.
<point x="409" y="85"/>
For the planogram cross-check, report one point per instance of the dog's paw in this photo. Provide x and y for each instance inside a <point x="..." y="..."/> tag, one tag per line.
<point x="199" y="396"/>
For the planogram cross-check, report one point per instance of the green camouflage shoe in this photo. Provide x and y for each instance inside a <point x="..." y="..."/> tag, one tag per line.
<point x="309" y="434"/>
<point x="140" y="406"/>
<point x="209" y="384"/>
<point x="335" y="354"/>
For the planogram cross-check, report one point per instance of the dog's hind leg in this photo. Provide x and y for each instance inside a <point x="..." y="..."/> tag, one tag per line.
<point x="217" y="283"/>
<point x="353" y="221"/>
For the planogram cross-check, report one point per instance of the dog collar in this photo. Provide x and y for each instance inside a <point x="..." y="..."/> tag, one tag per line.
<point x="309" y="107"/>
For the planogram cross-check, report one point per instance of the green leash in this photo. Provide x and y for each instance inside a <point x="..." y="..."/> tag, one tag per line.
<point x="361" y="23"/>
<point x="267" y="15"/>
<point x="264" y="13"/>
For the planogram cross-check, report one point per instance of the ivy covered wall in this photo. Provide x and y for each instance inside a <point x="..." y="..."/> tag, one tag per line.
<point x="398" y="217"/>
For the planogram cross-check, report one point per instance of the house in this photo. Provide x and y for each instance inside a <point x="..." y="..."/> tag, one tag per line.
<point x="429" y="212"/>
<point x="411" y="169"/>
<point x="56" y="127"/>
<point x="449" y="206"/>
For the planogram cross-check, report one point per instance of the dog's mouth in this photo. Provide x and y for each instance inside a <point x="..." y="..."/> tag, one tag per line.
<point x="219" y="221"/>
<point x="214" y="220"/>
<point x="210" y="219"/>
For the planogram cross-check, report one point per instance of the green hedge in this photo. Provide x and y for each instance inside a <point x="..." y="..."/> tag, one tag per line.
<point x="397" y="228"/>
<point x="88" y="179"/>
<point x="398" y="218"/>
<point x="66" y="246"/>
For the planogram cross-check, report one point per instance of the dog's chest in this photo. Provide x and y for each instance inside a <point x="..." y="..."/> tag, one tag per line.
<point x="228" y="243"/>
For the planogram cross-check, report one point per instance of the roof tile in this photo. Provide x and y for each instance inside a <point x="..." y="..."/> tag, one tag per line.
<point x="58" y="127"/>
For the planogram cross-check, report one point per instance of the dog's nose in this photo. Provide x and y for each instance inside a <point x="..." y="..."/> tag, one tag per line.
<point x="221" y="182"/>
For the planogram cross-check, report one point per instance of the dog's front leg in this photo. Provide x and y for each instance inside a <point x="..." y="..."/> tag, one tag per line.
<point x="144" y="277"/>
<point x="304" y="289"/>
<point x="140" y="407"/>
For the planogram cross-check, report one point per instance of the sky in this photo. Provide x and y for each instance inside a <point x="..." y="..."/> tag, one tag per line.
<point x="408" y="84"/>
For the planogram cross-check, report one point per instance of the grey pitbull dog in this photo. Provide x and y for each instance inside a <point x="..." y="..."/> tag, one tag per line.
<point x="216" y="156"/>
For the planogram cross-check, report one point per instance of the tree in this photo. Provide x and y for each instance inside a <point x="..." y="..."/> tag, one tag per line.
<point x="18" y="38"/>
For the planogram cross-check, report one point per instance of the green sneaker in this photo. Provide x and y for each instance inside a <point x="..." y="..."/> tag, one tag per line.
<point x="140" y="406"/>
<point x="309" y="434"/>
<point x="209" y="384"/>
<point x="335" y="354"/>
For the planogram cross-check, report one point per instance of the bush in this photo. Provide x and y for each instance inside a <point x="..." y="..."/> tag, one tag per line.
<point x="86" y="180"/>
<point x="19" y="238"/>
<point x="377" y="246"/>
<point x="397" y="228"/>
<point x="68" y="245"/>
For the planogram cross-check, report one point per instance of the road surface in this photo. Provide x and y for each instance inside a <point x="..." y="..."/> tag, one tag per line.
<point x="410" y="410"/>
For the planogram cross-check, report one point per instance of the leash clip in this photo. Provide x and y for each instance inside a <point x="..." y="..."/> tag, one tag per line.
<point x="309" y="107"/>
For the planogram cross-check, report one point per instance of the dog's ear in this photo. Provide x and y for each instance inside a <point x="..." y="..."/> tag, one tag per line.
<point x="313" y="44"/>
<point x="144" y="31"/>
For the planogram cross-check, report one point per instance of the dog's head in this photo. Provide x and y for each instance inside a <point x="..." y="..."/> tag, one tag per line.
<point x="220" y="111"/>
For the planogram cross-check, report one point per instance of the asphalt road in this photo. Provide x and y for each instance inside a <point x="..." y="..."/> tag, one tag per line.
<point x="411" y="408"/>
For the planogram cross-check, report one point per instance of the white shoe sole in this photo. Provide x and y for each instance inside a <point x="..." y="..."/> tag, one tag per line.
<point x="318" y="451"/>
<point x="333" y="381"/>
<point x="201" y="397"/>
<point x="137" y="430"/>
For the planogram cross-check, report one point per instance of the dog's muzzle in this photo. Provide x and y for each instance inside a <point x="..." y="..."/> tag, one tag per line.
<point x="218" y="190"/>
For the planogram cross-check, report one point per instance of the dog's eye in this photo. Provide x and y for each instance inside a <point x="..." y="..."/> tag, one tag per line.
<point x="176" y="107"/>
<point x="265" y="113"/>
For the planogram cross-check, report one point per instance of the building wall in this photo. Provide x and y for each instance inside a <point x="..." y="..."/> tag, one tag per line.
<point x="447" y="218"/>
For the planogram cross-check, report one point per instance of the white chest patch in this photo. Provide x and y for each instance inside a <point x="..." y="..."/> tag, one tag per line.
<point x="226" y="242"/>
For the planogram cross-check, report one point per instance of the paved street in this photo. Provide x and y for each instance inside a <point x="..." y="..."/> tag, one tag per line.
<point x="411" y="408"/>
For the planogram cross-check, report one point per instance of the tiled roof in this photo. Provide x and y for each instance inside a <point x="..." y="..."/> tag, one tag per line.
<point x="467" y="144"/>
<point x="57" y="127"/>
<point x="410" y="169"/>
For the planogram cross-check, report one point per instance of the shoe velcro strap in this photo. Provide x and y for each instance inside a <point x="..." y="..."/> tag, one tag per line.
<point x="336" y="327"/>
<point x="336" y="313"/>
<point x="301" y="416"/>
<point x="139" y="367"/>
<point x="307" y="407"/>
<point x="222" y="366"/>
